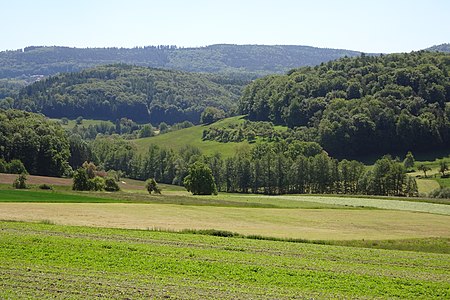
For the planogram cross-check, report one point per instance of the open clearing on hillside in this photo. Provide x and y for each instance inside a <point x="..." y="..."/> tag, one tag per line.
<point x="51" y="261"/>
<point x="314" y="224"/>
<point x="192" y="136"/>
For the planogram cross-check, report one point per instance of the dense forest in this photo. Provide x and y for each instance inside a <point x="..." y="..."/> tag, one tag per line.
<point x="242" y="59"/>
<point x="357" y="106"/>
<point x="41" y="145"/>
<point x="138" y="93"/>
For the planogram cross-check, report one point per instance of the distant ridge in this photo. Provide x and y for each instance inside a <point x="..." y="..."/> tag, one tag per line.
<point x="252" y="60"/>
<point x="440" y="48"/>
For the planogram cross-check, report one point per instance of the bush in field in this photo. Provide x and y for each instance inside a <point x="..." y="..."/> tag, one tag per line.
<point x="20" y="182"/>
<point x="152" y="186"/>
<point x="97" y="184"/>
<point x="80" y="180"/>
<point x="45" y="187"/>
<point x="440" y="193"/>
<point x="111" y="185"/>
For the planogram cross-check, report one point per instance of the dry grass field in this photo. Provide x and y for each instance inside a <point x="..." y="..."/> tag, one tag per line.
<point x="314" y="224"/>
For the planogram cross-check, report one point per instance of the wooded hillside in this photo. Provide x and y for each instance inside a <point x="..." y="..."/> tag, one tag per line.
<point x="250" y="59"/>
<point x="355" y="106"/>
<point x="138" y="93"/>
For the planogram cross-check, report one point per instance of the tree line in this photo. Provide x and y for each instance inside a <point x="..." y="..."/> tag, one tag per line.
<point x="269" y="168"/>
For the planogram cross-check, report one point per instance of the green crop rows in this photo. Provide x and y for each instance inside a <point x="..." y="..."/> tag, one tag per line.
<point x="50" y="261"/>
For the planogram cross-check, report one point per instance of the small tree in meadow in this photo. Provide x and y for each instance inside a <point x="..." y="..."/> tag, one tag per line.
<point x="200" y="180"/>
<point x="409" y="161"/>
<point x="20" y="182"/>
<point x="152" y="186"/>
<point x="424" y="169"/>
<point x="443" y="167"/>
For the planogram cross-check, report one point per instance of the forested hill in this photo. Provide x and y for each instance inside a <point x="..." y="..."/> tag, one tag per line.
<point x="138" y="93"/>
<point x="247" y="59"/>
<point x="440" y="48"/>
<point x="362" y="105"/>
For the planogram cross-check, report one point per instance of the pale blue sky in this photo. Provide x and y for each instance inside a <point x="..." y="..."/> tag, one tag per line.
<point x="369" y="26"/>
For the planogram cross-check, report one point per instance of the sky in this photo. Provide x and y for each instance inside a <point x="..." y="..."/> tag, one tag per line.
<point x="381" y="26"/>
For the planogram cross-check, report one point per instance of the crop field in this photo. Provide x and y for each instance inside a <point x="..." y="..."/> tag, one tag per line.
<point x="65" y="244"/>
<point x="315" y="224"/>
<point x="52" y="261"/>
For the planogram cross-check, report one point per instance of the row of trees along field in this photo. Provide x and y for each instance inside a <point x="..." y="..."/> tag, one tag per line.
<point x="139" y="93"/>
<point x="356" y="106"/>
<point x="276" y="168"/>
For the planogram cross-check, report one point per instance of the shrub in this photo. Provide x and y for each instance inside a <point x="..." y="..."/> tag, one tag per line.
<point x="16" y="167"/>
<point x="97" y="184"/>
<point x="3" y="166"/>
<point x="440" y="193"/>
<point x="152" y="186"/>
<point x="80" y="180"/>
<point x="45" y="187"/>
<point x="111" y="185"/>
<point x="20" y="182"/>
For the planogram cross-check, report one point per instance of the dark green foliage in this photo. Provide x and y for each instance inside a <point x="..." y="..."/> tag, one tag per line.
<point x="120" y="91"/>
<point x="20" y="181"/>
<point x="146" y="131"/>
<point x="81" y="180"/>
<point x="152" y="186"/>
<point x="363" y="105"/>
<point x="16" y="167"/>
<point x="424" y="169"/>
<point x="409" y="161"/>
<point x="388" y="178"/>
<point x="45" y="187"/>
<point x="200" y="180"/>
<point x="238" y="59"/>
<point x="79" y="120"/>
<point x="443" y="167"/>
<point x="3" y="166"/>
<point x="80" y="151"/>
<point x="111" y="185"/>
<point x="211" y="115"/>
<point x="41" y="145"/>
<point x="441" y="193"/>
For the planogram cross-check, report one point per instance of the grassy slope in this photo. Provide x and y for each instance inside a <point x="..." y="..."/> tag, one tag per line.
<point x="85" y="123"/>
<point x="193" y="136"/>
<point x="50" y="261"/>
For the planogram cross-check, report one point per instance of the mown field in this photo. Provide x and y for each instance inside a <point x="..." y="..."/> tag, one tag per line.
<point x="51" y="261"/>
